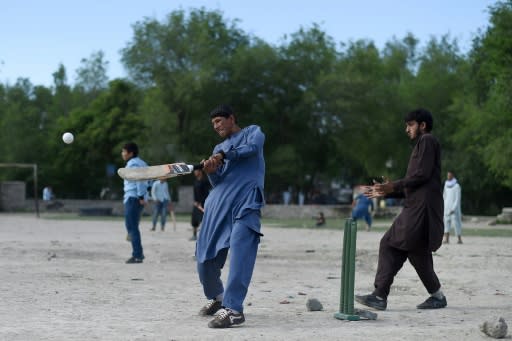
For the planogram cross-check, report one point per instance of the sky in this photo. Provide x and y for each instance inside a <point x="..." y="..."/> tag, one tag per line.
<point x="37" y="36"/>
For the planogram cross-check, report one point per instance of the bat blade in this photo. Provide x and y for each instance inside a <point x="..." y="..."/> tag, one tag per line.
<point x="155" y="172"/>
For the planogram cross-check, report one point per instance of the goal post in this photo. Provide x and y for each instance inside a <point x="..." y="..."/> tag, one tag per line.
<point x="34" y="168"/>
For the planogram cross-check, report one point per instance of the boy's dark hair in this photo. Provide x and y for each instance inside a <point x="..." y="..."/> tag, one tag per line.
<point x="131" y="147"/>
<point x="421" y="115"/>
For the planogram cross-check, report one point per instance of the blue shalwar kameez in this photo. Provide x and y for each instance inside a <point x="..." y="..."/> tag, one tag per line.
<point x="232" y="217"/>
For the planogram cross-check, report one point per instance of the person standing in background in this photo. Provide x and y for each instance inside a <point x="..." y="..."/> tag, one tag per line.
<point x="452" y="211"/>
<point x="161" y="197"/>
<point x="287" y="195"/>
<point x="362" y="208"/>
<point x="300" y="198"/>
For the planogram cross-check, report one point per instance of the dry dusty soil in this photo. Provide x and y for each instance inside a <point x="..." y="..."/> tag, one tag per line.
<point x="66" y="280"/>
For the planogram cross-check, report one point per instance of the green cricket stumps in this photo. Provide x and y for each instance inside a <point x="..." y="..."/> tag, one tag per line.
<point x="348" y="271"/>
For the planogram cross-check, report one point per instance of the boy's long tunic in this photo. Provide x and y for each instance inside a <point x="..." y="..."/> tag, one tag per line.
<point x="237" y="191"/>
<point x="421" y="219"/>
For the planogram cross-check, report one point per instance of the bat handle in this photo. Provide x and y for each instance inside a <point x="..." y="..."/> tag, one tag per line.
<point x="198" y="166"/>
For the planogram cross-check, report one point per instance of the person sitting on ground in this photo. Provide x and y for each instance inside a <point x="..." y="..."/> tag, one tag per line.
<point x="320" y="219"/>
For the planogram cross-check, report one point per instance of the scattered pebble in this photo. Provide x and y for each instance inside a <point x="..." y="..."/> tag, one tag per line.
<point x="314" y="305"/>
<point x="496" y="329"/>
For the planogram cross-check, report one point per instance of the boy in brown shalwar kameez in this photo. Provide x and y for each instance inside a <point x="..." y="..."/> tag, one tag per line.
<point x="418" y="230"/>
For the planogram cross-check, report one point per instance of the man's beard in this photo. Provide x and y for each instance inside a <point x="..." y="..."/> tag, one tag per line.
<point x="417" y="135"/>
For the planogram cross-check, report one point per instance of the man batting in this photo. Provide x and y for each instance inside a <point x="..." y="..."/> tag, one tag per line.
<point x="231" y="217"/>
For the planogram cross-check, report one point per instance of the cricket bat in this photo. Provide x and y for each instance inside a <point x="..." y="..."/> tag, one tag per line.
<point x="156" y="172"/>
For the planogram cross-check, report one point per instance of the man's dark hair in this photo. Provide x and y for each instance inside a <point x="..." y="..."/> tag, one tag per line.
<point x="131" y="147"/>
<point x="421" y="115"/>
<point x="223" y="110"/>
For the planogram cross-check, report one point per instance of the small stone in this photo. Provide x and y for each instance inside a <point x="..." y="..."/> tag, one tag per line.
<point x="314" y="305"/>
<point x="496" y="329"/>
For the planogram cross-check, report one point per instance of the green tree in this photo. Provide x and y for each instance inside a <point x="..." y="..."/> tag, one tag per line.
<point x="63" y="98"/>
<point x="187" y="57"/>
<point x="357" y="98"/>
<point x="91" y="76"/>
<point x="483" y="112"/>
<point x="22" y="127"/>
<point x="295" y="113"/>
<point x="100" y="131"/>
<point x="20" y="134"/>
<point x="492" y="72"/>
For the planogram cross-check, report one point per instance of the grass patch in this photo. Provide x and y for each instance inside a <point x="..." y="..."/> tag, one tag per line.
<point x="470" y="231"/>
<point x="379" y="225"/>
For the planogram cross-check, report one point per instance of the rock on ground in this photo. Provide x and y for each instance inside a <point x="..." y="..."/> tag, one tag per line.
<point x="314" y="305"/>
<point x="496" y="329"/>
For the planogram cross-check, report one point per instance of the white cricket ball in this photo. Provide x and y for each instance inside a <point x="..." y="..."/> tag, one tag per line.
<point x="68" y="138"/>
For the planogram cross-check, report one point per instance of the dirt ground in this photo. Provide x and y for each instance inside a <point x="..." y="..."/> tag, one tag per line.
<point x="66" y="280"/>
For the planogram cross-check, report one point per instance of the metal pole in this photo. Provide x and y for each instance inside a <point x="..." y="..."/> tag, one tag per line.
<point x="36" y="200"/>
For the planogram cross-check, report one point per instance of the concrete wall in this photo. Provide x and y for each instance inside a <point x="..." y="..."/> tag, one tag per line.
<point x="12" y="195"/>
<point x="115" y="207"/>
<point x="305" y="211"/>
<point x="269" y="211"/>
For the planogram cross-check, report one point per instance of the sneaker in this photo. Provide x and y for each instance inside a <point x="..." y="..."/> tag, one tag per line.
<point x="134" y="260"/>
<point x="433" y="303"/>
<point x="210" y="308"/>
<point x="372" y="301"/>
<point x="226" y="318"/>
<point x="193" y="239"/>
<point x="152" y="229"/>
